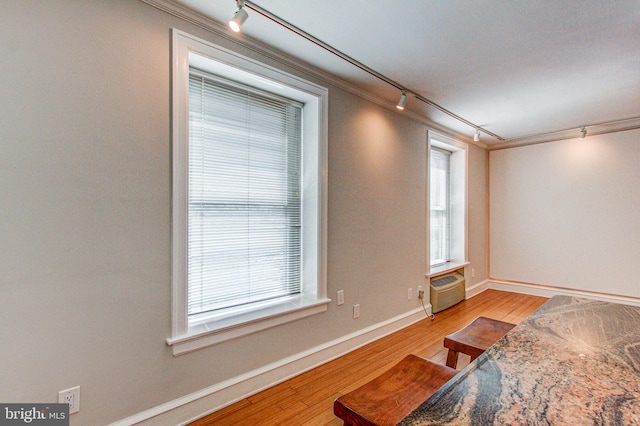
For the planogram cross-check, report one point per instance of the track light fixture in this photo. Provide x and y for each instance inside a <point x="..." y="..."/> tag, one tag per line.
<point x="402" y="101"/>
<point x="239" y="17"/>
<point x="583" y="133"/>
<point x="476" y="136"/>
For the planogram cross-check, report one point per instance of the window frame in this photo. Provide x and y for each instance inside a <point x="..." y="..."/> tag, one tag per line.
<point x="458" y="246"/>
<point x="187" y="51"/>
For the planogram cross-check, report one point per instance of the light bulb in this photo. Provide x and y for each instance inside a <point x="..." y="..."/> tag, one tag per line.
<point x="238" y="19"/>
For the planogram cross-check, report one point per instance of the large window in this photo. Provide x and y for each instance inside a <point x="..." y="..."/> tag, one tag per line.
<point x="248" y="196"/>
<point x="244" y="213"/>
<point x="447" y="203"/>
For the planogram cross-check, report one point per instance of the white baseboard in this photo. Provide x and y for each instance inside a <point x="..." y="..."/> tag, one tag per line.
<point x="198" y="404"/>
<point x="550" y="291"/>
<point x="476" y="289"/>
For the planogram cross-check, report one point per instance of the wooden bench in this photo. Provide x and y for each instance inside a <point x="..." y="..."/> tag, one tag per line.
<point x="475" y="338"/>
<point x="394" y="394"/>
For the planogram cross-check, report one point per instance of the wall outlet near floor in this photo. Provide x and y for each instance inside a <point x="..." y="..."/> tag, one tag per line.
<point x="420" y="293"/>
<point x="356" y="311"/>
<point x="340" y="297"/>
<point x="70" y="396"/>
<point x="410" y="294"/>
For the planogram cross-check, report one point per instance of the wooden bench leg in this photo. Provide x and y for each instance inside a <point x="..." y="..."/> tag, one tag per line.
<point x="452" y="358"/>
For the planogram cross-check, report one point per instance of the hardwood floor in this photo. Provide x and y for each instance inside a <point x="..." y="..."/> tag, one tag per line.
<point x="307" y="399"/>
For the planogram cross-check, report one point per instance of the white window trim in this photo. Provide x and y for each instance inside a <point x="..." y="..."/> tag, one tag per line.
<point x="459" y="177"/>
<point x="189" y="50"/>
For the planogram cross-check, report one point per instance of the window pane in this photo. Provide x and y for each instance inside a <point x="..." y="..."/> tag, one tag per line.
<point x="244" y="196"/>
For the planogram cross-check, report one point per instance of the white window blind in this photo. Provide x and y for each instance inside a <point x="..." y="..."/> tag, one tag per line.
<point x="439" y="193"/>
<point x="244" y="208"/>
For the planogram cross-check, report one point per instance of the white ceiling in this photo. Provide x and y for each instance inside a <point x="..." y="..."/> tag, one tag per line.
<point x="518" y="68"/>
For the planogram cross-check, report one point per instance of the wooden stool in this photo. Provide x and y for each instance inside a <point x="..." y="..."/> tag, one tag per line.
<point x="475" y="338"/>
<point x="390" y="397"/>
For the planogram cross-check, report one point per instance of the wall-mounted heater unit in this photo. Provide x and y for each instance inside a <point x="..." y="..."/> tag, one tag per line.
<point x="446" y="291"/>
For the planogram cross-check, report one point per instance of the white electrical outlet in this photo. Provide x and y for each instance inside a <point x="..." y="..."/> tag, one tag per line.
<point x="410" y="294"/>
<point x="356" y="311"/>
<point x="340" y="297"/>
<point x="70" y="396"/>
<point x="420" y="292"/>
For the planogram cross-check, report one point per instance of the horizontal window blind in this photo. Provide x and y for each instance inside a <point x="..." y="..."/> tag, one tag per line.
<point x="244" y="217"/>
<point x="439" y="206"/>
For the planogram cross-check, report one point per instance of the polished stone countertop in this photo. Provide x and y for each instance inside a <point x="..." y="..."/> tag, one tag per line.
<point x="572" y="362"/>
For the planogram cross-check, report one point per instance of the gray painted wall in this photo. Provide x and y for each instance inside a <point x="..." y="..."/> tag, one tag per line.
<point x="85" y="219"/>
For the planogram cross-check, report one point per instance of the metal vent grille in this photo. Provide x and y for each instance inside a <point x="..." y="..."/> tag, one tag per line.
<point x="443" y="281"/>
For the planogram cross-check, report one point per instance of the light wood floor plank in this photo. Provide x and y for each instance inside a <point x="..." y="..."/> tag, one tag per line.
<point x="307" y="399"/>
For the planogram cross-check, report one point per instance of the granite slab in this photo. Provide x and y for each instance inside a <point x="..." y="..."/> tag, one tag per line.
<point x="572" y="362"/>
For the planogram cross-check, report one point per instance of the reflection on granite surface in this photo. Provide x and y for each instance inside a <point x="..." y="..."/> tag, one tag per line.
<point x="572" y="362"/>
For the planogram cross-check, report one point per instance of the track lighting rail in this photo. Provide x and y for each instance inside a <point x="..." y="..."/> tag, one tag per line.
<point x="361" y="66"/>
<point x="583" y="128"/>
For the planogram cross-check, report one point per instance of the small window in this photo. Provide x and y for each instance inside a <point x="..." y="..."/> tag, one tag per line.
<point x="440" y="208"/>
<point x="249" y="217"/>
<point x="447" y="203"/>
